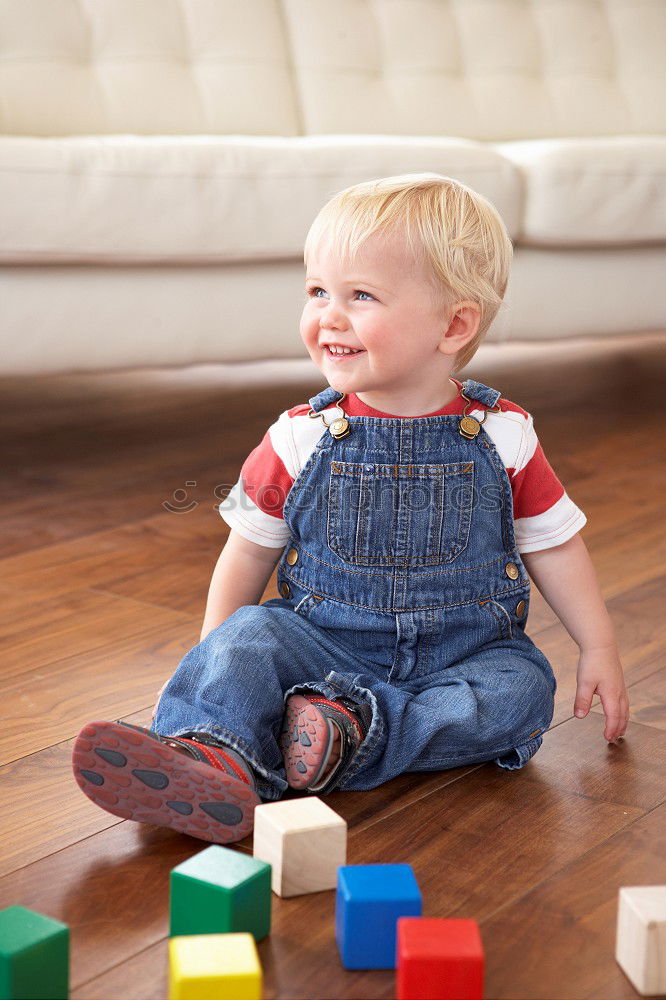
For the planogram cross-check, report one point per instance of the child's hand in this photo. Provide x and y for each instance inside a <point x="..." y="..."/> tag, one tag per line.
<point x="600" y="672"/>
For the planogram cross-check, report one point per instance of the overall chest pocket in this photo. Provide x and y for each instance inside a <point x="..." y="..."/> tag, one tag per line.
<point x="399" y="515"/>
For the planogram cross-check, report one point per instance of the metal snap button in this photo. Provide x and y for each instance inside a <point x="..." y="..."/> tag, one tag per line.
<point x="285" y="589"/>
<point x="292" y="556"/>
<point x="339" y="428"/>
<point x="520" y="609"/>
<point x="469" y="427"/>
<point x="512" y="571"/>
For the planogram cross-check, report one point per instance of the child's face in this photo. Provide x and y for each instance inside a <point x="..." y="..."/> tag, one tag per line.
<point x="381" y="305"/>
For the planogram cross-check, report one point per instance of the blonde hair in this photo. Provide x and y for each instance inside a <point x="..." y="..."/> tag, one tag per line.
<point x="456" y="232"/>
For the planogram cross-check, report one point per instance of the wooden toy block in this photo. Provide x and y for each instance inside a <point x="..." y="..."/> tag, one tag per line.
<point x="640" y="944"/>
<point x="439" y="959"/>
<point x="214" y="967"/>
<point x="369" y="900"/>
<point x="219" y="891"/>
<point x="305" y="843"/>
<point x="34" y="956"/>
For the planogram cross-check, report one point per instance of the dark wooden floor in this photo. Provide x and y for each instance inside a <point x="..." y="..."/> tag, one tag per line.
<point x="103" y="591"/>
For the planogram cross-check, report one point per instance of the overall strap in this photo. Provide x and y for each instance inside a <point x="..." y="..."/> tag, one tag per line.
<point x="325" y="398"/>
<point x="476" y="392"/>
<point x="473" y="390"/>
<point x="480" y="393"/>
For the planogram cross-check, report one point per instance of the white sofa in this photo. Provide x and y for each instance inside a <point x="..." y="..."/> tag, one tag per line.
<point x="161" y="161"/>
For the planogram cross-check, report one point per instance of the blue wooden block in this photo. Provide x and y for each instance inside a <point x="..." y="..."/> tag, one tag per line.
<point x="369" y="900"/>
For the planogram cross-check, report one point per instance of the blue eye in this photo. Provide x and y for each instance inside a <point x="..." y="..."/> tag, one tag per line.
<point x="359" y="293"/>
<point x="314" y="292"/>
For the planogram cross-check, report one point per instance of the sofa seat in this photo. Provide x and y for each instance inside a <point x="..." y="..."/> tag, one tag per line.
<point x="177" y="250"/>
<point x="162" y="161"/>
<point x="149" y="199"/>
<point x="606" y="191"/>
<point x="207" y="198"/>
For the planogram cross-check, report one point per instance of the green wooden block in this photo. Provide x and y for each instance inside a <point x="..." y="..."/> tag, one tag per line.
<point x="34" y="956"/>
<point x="220" y="891"/>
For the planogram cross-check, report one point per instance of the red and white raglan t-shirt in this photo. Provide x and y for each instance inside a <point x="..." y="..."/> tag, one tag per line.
<point x="544" y="516"/>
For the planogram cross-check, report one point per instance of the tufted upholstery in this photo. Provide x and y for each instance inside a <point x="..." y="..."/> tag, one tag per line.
<point x="77" y="67"/>
<point x="160" y="156"/>
<point x="479" y="69"/>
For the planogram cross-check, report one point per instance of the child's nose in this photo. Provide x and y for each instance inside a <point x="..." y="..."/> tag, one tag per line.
<point x="333" y="318"/>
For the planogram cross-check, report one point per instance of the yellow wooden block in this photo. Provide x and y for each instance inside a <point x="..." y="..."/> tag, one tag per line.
<point x="214" y="967"/>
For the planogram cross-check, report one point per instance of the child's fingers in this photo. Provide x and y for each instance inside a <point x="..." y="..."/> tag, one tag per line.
<point x="583" y="700"/>
<point x="616" y="711"/>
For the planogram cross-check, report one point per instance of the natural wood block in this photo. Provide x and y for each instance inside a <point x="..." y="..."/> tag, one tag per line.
<point x="220" y="891"/>
<point x="214" y="967"/>
<point x="304" y="841"/>
<point x="34" y="956"/>
<point x="439" y="959"/>
<point x="640" y="947"/>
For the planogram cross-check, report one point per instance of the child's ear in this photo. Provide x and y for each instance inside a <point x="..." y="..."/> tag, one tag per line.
<point x="461" y="326"/>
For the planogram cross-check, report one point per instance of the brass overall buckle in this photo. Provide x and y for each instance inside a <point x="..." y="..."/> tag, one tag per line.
<point x="339" y="428"/>
<point x="470" y="427"/>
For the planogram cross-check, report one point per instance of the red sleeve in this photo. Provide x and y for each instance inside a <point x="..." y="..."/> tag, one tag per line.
<point x="265" y="479"/>
<point x="536" y="487"/>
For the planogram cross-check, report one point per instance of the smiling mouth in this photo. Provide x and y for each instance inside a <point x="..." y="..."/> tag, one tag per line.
<point x="341" y="355"/>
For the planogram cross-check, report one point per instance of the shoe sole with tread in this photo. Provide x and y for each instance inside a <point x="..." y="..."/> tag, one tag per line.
<point x="304" y="741"/>
<point x="130" y="773"/>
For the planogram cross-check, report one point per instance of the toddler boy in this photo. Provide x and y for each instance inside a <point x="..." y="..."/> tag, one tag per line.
<point x="405" y="509"/>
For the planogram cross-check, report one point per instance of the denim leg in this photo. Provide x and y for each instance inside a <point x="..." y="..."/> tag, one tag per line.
<point x="232" y="685"/>
<point x="505" y="697"/>
<point x="493" y="706"/>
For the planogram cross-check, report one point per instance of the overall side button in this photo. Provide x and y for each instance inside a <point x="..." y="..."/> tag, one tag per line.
<point x="512" y="571"/>
<point x="285" y="589"/>
<point x="292" y="556"/>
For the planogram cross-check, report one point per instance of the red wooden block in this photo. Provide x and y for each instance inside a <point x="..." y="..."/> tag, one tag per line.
<point x="439" y="959"/>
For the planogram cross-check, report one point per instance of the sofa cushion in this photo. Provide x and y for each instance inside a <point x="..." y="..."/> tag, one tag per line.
<point x="592" y="192"/>
<point x="218" y="198"/>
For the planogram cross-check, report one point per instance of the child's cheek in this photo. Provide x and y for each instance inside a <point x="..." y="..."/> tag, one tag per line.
<point x="307" y="324"/>
<point x="309" y="330"/>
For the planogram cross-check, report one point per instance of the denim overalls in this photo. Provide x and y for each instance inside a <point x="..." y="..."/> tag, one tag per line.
<point x="401" y="587"/>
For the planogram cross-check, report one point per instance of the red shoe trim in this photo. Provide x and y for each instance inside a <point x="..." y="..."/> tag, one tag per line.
<point x="211" y="755"/>
<point x="339" y="708"/>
